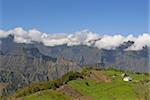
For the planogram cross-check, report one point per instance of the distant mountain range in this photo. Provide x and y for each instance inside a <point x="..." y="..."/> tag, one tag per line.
<point x="22" y="64"/>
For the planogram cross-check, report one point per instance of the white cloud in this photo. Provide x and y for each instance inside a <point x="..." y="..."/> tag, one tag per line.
<point x="21" y="36"/>
<point x="140" y="42"/>
<point x="110" y="42"/>
<point x="3" y="34"/>
<point x="83" y="37"/>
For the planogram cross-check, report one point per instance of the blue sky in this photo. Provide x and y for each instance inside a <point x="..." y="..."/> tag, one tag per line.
<point x="67" y="16"/>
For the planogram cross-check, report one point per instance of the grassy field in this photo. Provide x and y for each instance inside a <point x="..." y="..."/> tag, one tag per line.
<point x="45" y="95"/>
<point x="104" y="91"/>
<point x="117" y="89"/>
<point x="100" y="85"/>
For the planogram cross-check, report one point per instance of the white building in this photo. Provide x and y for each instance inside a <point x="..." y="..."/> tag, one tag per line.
<point x="127" y="78"/>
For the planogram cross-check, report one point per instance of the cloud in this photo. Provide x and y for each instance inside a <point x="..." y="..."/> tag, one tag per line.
<point x="21" y="36"/>
<point x="3" y="34"/>
<point x="110" y="42"/>
<point x="53" y="39"/>
<point x="83" y="37"/>
<point x="140" y="42"/>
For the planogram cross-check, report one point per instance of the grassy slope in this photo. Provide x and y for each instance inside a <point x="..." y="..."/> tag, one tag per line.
<point x="104" y="91"/>
<point x="117" y="89"/>
<point x="45" y="95"/>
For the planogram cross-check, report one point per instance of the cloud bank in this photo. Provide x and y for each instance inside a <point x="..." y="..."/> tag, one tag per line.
<point x="83" y="37"/>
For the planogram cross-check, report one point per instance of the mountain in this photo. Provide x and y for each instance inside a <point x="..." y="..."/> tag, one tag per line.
<point x="22" y="64"/>
<point x="118" y="58"/>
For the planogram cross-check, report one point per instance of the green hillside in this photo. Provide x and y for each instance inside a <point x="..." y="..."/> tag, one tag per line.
<point x="90" y="84"/>
<point x="45" y="95"/>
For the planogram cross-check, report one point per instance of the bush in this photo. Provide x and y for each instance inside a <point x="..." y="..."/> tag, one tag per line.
<point x="85" y="72"/>
<point x="47" y="85"/>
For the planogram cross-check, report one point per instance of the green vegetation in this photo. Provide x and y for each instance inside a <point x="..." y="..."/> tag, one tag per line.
<point x="142" y="89"/>
<point x="115" y="90"/>
<point x="103" y="91"/>
<point x="47" y="85"/>
<point x="45" y="95"/>
<point x="86" y="83"/>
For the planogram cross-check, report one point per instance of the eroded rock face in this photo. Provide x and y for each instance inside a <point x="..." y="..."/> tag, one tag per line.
<point x="23" y="64"/>
<point x="29" y="66"/>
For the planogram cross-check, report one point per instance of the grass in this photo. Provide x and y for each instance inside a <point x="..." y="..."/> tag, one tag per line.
<point x="33" y="88"/>
<point x="104" y="91"/>
<point x="116" y="89"/>
<point x="45" y="95"/>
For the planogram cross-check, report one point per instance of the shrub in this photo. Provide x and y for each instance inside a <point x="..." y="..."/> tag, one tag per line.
<point x="47" y="85"/>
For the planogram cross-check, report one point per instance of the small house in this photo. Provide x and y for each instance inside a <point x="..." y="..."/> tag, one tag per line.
<point x="124" y="75"/>
<point x="127" y="78"/>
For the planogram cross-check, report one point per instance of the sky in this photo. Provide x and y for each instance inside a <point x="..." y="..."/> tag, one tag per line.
<point x="68" y="16"/>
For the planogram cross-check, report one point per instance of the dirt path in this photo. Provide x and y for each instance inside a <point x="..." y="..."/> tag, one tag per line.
<point x="75" y="95"/>
<point x="99" y="76"/>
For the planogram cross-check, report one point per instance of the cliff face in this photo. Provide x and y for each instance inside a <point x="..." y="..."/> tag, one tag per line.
<point x="118" y="58"/>
<point x="23" y="64"/>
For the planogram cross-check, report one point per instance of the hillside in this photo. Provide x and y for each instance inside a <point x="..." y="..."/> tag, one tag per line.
<point x="89" y="84"/>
